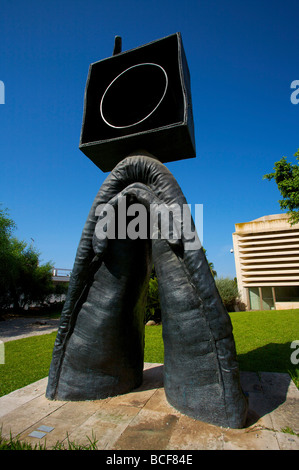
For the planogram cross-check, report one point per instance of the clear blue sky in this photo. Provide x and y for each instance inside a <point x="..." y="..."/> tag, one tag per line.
<point x="242" y="56"/>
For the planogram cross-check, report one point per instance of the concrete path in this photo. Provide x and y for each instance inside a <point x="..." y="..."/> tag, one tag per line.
<point x="143" y="419"/>
<point x="21" y="327"/>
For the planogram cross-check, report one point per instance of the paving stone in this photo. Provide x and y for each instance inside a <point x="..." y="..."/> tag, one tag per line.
<point x="149" y="430"/>
<point x="190" y="434"/>
<point x="282" y="398"/>
<point x="27" y="416"/>
<point x="286" y="416"/>
<point x="250" y="439"/>
<point x="143" y="419"/>
<point x="287" y="441"/>
<point x="105" y="426"/>
<point x="250" y="382"/>
<point x="19" y="397"/>
<point x="64" y="420"/>
<point x="259" y="410"/>
<point x="158" y="402"/>
<point x="152" y="377"/>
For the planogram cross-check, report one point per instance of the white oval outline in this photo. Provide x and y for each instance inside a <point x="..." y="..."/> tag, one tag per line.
<point x="135" y="124"/>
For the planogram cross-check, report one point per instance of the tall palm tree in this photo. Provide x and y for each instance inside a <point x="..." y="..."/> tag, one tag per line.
<point x="211" y="265"/>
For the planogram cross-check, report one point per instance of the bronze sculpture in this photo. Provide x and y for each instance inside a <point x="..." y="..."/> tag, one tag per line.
<point x="99" y="346"/>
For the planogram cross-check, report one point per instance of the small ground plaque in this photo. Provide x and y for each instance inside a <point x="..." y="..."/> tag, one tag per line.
<point x="37" y="434"/>
<point x="45" y="428"/>
<point x="41" y="431"/>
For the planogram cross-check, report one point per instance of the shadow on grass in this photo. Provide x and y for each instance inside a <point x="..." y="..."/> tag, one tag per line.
<point x="273" y="357"/>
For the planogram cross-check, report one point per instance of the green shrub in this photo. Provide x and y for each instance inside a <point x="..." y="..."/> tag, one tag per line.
<point x="153" y="310"/>
<point x="228" y="291"/>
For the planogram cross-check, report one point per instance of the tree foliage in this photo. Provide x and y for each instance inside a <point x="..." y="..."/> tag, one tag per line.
<point x="153" y="308"/>
<point x="228" y="291"/>
<point x="286" y="176"/>
<point x="211" y="265"/>
<point x="23" y="280"/>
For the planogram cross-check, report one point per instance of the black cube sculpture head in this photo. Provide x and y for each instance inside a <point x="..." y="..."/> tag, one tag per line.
<point x="139" y="100"/>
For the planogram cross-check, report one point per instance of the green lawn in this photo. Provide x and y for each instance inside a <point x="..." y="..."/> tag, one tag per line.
<point x="262" y="341"/>
<point x="26" y="360"/>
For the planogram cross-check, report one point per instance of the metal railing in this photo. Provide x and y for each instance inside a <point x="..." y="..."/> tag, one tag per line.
<point x="61" y="273"/>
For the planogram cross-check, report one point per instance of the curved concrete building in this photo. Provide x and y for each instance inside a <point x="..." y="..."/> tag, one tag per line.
<point x="267" y="262"/>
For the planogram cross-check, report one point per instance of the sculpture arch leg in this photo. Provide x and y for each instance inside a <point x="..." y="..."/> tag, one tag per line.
<point x="103" y="355"/>
<point x="201" y="377"/>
